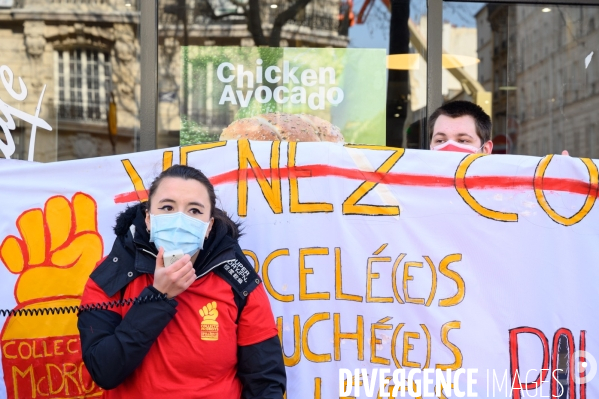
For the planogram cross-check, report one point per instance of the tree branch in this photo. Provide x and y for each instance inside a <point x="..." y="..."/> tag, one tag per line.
<point x="282" y="19"/>
<point x="255" y="23"/>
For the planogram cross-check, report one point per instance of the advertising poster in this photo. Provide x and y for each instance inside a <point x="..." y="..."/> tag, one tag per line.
<point x="292" y="94"/>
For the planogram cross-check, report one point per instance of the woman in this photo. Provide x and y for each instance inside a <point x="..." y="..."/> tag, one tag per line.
<point x="211" y="333"/>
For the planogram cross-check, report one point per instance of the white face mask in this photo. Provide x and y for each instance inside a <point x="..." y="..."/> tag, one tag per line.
<point x="451" y="145"/>
<point x="174" y="231"/>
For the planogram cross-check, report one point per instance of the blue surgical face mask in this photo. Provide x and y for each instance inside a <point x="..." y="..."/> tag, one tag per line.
<point x="173" y="231"/>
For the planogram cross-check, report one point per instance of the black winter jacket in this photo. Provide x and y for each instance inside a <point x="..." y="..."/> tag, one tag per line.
<point x="115" y="348"/>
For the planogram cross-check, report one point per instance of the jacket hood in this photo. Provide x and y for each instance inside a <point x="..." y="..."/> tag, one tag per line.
<point x="218" y="240"/>
<point x="125" y="219"/>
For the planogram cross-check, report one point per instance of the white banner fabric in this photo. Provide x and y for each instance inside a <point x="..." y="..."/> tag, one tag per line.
<point x="373" y="258"/>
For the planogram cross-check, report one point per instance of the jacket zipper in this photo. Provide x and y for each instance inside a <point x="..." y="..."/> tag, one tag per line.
<point x="149" y="252"/>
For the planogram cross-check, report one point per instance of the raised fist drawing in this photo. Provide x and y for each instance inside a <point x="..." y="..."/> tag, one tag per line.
<point x="54" y="254"/>
<point x="209" y="311"/>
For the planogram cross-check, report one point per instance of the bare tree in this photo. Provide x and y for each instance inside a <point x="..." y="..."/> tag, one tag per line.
<point x="254" y="10"/>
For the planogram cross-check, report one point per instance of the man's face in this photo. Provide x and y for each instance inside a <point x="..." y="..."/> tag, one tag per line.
<point x="461" y="130"/>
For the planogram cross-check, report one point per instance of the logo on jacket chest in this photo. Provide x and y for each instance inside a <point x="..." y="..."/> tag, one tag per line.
<point x="209" y="325"/>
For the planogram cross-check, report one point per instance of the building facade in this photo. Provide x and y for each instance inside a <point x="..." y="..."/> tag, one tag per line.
<point x="85" y="57"/>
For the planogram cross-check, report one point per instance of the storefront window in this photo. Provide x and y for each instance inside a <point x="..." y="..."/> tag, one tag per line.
<point x="79" y="63"/>
<point x="385" y="58"/>
<point x="532" y="67"/>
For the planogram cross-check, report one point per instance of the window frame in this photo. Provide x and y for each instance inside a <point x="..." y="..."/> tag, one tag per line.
<point x="149" y="62"/>
<point x="63" y="58"/>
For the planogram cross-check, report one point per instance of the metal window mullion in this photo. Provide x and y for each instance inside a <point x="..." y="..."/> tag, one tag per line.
<point x="84" y="77"/>
<point x="434" y="71"/>
<point x="101" y="84"/>
<point x="66" y="70"/>
<point x="149" y="75"/>
<point x="57" y="79"/>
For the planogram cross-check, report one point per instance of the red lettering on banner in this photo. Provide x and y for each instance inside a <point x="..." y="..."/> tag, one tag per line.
<point x="572" y="363"/>
<point x="517" y="385"/>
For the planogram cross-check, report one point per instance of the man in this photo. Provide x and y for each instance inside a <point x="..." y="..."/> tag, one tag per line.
<point x="460" y="126"/>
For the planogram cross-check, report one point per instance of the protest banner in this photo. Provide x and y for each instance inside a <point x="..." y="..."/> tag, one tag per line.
<point x="373" y="258"/>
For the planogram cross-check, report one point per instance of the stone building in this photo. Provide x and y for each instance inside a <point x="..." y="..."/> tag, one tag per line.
<point x="558" y="93"/>
<point x="545" y="78"/>
<point x="86" y="55"/>
<point x="81" y="51"/>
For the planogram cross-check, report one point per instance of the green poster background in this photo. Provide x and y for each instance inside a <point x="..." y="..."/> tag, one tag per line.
<point x="359" y="74"/>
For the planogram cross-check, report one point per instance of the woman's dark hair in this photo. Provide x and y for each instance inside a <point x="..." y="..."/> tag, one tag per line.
<point x="190" y="173"/>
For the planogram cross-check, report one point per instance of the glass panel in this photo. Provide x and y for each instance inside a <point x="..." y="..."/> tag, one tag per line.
<point x="78" y="52"/>
<point x="536" y="64"/>
<point x="189" y="94"/>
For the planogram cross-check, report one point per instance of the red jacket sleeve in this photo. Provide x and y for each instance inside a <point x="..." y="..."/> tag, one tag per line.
<point x="256" y="323"/>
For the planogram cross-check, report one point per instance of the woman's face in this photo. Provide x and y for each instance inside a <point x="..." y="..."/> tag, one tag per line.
<point x="180" y="195"/>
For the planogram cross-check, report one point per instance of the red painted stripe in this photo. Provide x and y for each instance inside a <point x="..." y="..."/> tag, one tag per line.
<point x="399" y="179"/>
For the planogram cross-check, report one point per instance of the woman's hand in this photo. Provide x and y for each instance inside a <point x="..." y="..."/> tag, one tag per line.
<point x="174" y="279"/>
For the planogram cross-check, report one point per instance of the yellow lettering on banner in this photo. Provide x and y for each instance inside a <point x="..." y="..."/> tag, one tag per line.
<point x="457" y="354"/>
<point x="5" y="352"/>
<point x="69" y="342"/>
<point x="387" y="390"/>
<point x="70" y="375"/>
<point x="311" y="356"/>
<point x="370" y="275"/>
<point x="394" y="277"/>
<point x="23" y="374"/>
<point x="267" y="284"/>
<point x="407" y="347"/>
<point x="434" y="278"/>
<point x="351" y="206"/>
<point x="57" y="350"/>
<point x="138" y="184"/>
<point x="92" y="386"/>
<point x="338" y="336"/>
<point x="407" y="277"/>
<point x="374" y="341"/>
<point x="428" y="345"/>
<point x="52" y="391"/>
<point x="588" y="203"/>
<point x="304" y="295"/>
<point x="294" y="359"/>
<point x="444" y="270"/>
<point x="186" y="150"/>
<point x="460" y="185"/>
<point x="394" y="345"/>
<point x="24" y="345"/>
<point x="352" y="380"/>
<point x="167" y="160"/>
<point x="39" y="390"/>
<point x="45" y="354"/>
<point x="251" y="254"/>
<point x="295" y="206"/>
<point x="272" y="190"/>
<point x="317" y="387"/>
<point x="339" y="281"/>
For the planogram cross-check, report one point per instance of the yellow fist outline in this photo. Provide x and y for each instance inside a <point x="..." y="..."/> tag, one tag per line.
<point x="57" y="250"/>
<point x="209" y="312"/>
